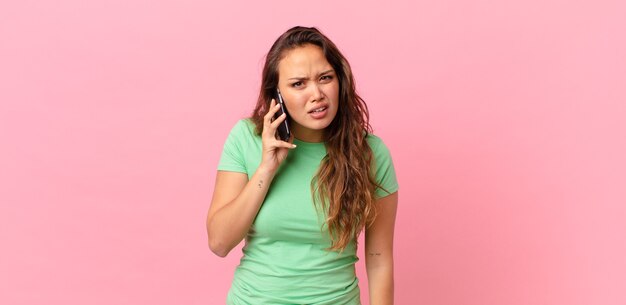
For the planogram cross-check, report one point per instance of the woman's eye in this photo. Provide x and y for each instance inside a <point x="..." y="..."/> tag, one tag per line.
<point x="296" y="84"/>
<point x="326" y="77"/>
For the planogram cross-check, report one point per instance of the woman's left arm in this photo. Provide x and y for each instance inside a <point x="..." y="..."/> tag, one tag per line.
<point x="379" y="251"/>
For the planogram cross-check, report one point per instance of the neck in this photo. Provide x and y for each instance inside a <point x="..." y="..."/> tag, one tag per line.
<point x="308" y="135"/>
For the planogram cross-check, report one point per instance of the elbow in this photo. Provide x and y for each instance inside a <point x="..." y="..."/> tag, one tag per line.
<point x="219" y="242"/>
<point x="216" y="245"/>
<point x="219" y="252"/>
<point x="218" y="248"/>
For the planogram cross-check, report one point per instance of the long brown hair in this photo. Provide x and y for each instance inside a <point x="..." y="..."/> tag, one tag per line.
<point x="344" y="183"/>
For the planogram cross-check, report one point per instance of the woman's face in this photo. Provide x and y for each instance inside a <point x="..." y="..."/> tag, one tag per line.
<point x="310" y="88"/>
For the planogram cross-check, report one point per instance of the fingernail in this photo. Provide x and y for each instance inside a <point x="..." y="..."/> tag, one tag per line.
<point x="293" y="145"/>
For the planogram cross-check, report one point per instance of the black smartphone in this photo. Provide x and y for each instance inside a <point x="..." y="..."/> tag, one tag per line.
<point x="284" y="133"/>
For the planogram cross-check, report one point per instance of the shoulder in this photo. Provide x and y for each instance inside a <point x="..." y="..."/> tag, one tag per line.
<point x="242" y="135"/>
<point x="241" y="145"/>
<point x="377" y="145"/>
<point x="243" y="129"/>
<point x="383" y="168"/>
<point x="244" y="126"/>
<point x="380" y="152"/>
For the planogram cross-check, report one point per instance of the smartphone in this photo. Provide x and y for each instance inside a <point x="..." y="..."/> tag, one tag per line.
<point x="284" y="133"/>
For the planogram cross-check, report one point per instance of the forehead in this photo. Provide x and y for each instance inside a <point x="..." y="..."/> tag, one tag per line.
<point x="303" y="60"/>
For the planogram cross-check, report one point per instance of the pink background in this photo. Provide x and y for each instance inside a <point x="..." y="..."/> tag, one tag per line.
<point x="505" y="120"/>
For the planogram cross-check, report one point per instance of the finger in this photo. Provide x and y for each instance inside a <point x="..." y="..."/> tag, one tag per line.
<point x="270" y="124"/>
<point x="271" y="111"/>
<point x="283" y="144"/>
<point x="278" y="120"/>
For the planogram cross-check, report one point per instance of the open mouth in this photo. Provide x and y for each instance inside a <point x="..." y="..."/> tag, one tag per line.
<point x="318" y="109"/>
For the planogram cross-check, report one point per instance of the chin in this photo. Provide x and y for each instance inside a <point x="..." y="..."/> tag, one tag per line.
<point x="320" y="125"/>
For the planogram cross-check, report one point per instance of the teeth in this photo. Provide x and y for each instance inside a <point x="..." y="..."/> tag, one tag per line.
<point x="319" y="110"/>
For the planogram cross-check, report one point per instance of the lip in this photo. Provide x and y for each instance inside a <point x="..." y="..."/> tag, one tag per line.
<point x="319" y="115"/>
<point x="319" y="107"/>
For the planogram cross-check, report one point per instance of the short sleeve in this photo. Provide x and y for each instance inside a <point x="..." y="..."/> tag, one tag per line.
<point x="232" y="158"/>
<point x="385" y="173"/>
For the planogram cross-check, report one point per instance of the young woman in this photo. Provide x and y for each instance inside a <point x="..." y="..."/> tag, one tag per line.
<point x="301" y="204"/>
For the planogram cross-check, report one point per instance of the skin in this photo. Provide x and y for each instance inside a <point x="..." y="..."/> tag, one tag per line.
<point x="306" y="81"/>
<point x="379" y="251"/>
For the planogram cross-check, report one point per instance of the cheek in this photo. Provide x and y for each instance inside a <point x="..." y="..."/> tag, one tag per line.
<point x="333" y="91"/>
<point x="294" y="102"/>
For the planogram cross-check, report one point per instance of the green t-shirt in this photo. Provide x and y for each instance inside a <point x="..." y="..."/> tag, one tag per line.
<point x="284" y="259"/>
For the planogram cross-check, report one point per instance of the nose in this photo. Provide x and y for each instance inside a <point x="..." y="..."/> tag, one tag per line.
<point x="317" y="93"/>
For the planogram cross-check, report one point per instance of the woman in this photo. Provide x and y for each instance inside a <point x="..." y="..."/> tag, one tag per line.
<point x="301" y="204"/>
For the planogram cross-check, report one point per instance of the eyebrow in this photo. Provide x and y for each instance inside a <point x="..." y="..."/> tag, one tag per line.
<point x="325" y="72"/>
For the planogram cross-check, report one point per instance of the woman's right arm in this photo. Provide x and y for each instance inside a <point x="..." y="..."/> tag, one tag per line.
<point x="235" y="203"/>
<point x="237" y="200"/>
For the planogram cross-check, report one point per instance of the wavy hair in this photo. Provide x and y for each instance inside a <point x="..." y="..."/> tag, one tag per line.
<point x="344" y="183"/>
